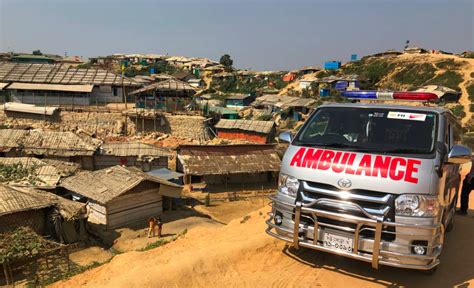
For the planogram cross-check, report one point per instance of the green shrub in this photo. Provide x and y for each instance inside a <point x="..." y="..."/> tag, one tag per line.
<point x="470" y="91"/>
<point x="449" y="79"/>
<point x="265" y="117"/>
<point x="469" y="54"/>
<point x="372" y="71"/>
<point x="448" y="64"/>
<point x="458" y="111"/>
<point x="415" y="74"/>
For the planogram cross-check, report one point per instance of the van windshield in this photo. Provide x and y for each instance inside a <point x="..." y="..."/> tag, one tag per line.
<point x="370" y="130"/>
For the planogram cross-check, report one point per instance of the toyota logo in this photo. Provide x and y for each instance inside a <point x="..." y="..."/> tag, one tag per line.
<point x="344" y="183"/>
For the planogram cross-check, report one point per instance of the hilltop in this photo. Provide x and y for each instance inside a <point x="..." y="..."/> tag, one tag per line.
<point x="409" y="72"/>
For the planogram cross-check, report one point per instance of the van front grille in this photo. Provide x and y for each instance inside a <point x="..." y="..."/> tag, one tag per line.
<point x="374" y="203"/>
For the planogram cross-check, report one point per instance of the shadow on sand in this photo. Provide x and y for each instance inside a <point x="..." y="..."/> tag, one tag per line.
<point x="456" y="268"/>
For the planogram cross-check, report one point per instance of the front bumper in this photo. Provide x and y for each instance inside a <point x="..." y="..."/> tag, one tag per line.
<point x="397" y="253"/>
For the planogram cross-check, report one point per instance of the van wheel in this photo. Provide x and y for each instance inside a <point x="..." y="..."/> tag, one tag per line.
<point x="450" y="225"/>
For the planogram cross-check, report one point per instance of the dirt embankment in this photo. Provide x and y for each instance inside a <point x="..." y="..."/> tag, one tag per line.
<point x="242" y="255"/>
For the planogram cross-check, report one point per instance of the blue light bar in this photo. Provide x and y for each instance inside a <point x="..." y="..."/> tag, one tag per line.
<point x="360" y="94"/>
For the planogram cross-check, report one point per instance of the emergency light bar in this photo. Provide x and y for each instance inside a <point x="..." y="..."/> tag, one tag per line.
<point x="397" y="95"/>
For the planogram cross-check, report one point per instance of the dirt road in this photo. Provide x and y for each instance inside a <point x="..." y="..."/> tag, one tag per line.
<point x="242" y="255"/>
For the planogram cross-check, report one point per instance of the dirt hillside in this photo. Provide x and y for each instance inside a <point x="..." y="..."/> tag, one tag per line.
<point x="242" y="255"/>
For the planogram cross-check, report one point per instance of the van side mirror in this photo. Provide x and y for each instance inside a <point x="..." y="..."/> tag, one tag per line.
<point x="286" y="136"/>
<point x="459" y="155"/>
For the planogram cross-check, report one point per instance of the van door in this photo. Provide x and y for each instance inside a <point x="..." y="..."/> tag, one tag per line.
<point x="452" y="177"/>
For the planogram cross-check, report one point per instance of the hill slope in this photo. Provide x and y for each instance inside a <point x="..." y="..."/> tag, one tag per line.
<point x="411" y="71"/>
<point x="241" y="254"/>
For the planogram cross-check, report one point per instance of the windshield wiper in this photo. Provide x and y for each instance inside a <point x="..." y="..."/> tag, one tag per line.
<point x="406" y="150"/>
<point x="337" y="145"/>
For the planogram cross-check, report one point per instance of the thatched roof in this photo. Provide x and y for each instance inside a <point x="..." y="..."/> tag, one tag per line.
<point x="52" y="143"/>
<point x="124" y="149"/>
<point x="104" y="185"/>
<point x="258" y="126"/>
<point x="167" y="85"/>
<point x="45" y="173"/>
<point x="15" y="199"/>
<point x="228" y="159"/>
<point x="283" y="101"/>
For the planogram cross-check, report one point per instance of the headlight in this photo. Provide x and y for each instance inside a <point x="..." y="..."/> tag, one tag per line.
<point x="416" y="205"/>
<point x="288" y="185"/>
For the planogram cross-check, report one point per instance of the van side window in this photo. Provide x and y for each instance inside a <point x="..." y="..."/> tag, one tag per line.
<point x="457" y="134"/>
<point x="447" y="135"/>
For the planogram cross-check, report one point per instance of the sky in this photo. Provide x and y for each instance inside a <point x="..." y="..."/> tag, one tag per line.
<point x="259" y="35"/>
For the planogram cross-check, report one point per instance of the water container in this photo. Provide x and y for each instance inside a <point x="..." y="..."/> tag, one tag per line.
<point x="324" y="92"/>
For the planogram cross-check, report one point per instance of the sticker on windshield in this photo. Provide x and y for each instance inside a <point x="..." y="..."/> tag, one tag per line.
<point x="377" y="115"/>
<point x="406" y="116"/>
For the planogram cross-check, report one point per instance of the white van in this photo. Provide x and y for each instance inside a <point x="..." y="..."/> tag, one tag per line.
<point x="373" y="182"/>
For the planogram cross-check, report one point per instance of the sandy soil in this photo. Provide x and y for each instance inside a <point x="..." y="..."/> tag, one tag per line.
<point x="89" y="255"/>
<point x="242" y="255"/>
<point x="225" y="212"/>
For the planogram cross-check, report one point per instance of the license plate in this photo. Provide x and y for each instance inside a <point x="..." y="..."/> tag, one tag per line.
<point x="338" y="242"/>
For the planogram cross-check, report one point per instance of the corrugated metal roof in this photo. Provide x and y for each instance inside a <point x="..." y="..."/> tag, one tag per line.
<point x="133" y="149"/>
<point x="59" y="74"/>
<point x="107" y="184"/>
<point x="46" y="173"/>
<point x="264" y="127"/>
<point x="230" y="159"/>
<point x="29" y="108"/>
<point x="83" y="88"/>
<point x="52" y="143"/>
<point x="165" y="173"/>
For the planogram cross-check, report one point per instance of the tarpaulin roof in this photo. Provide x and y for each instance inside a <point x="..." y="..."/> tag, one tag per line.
<point x="29" y="108"/>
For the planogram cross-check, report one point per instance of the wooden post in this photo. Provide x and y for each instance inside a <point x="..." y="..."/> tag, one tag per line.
<point x="7" y="275"/>
<point x="45" y="104"/>
<point x="126" y="125"/>
<point x="73" y="100"/>
<point x="154" y="111"/>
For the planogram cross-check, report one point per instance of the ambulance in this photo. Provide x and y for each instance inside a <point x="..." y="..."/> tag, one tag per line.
<point x="373" y="182"/>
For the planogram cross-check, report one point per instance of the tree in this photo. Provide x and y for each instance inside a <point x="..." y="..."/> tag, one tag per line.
<point x="226" y="61"/>
<point x="37" y="52"/>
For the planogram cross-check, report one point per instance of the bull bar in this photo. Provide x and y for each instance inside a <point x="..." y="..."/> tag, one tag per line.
<point x="378" y="256"/>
